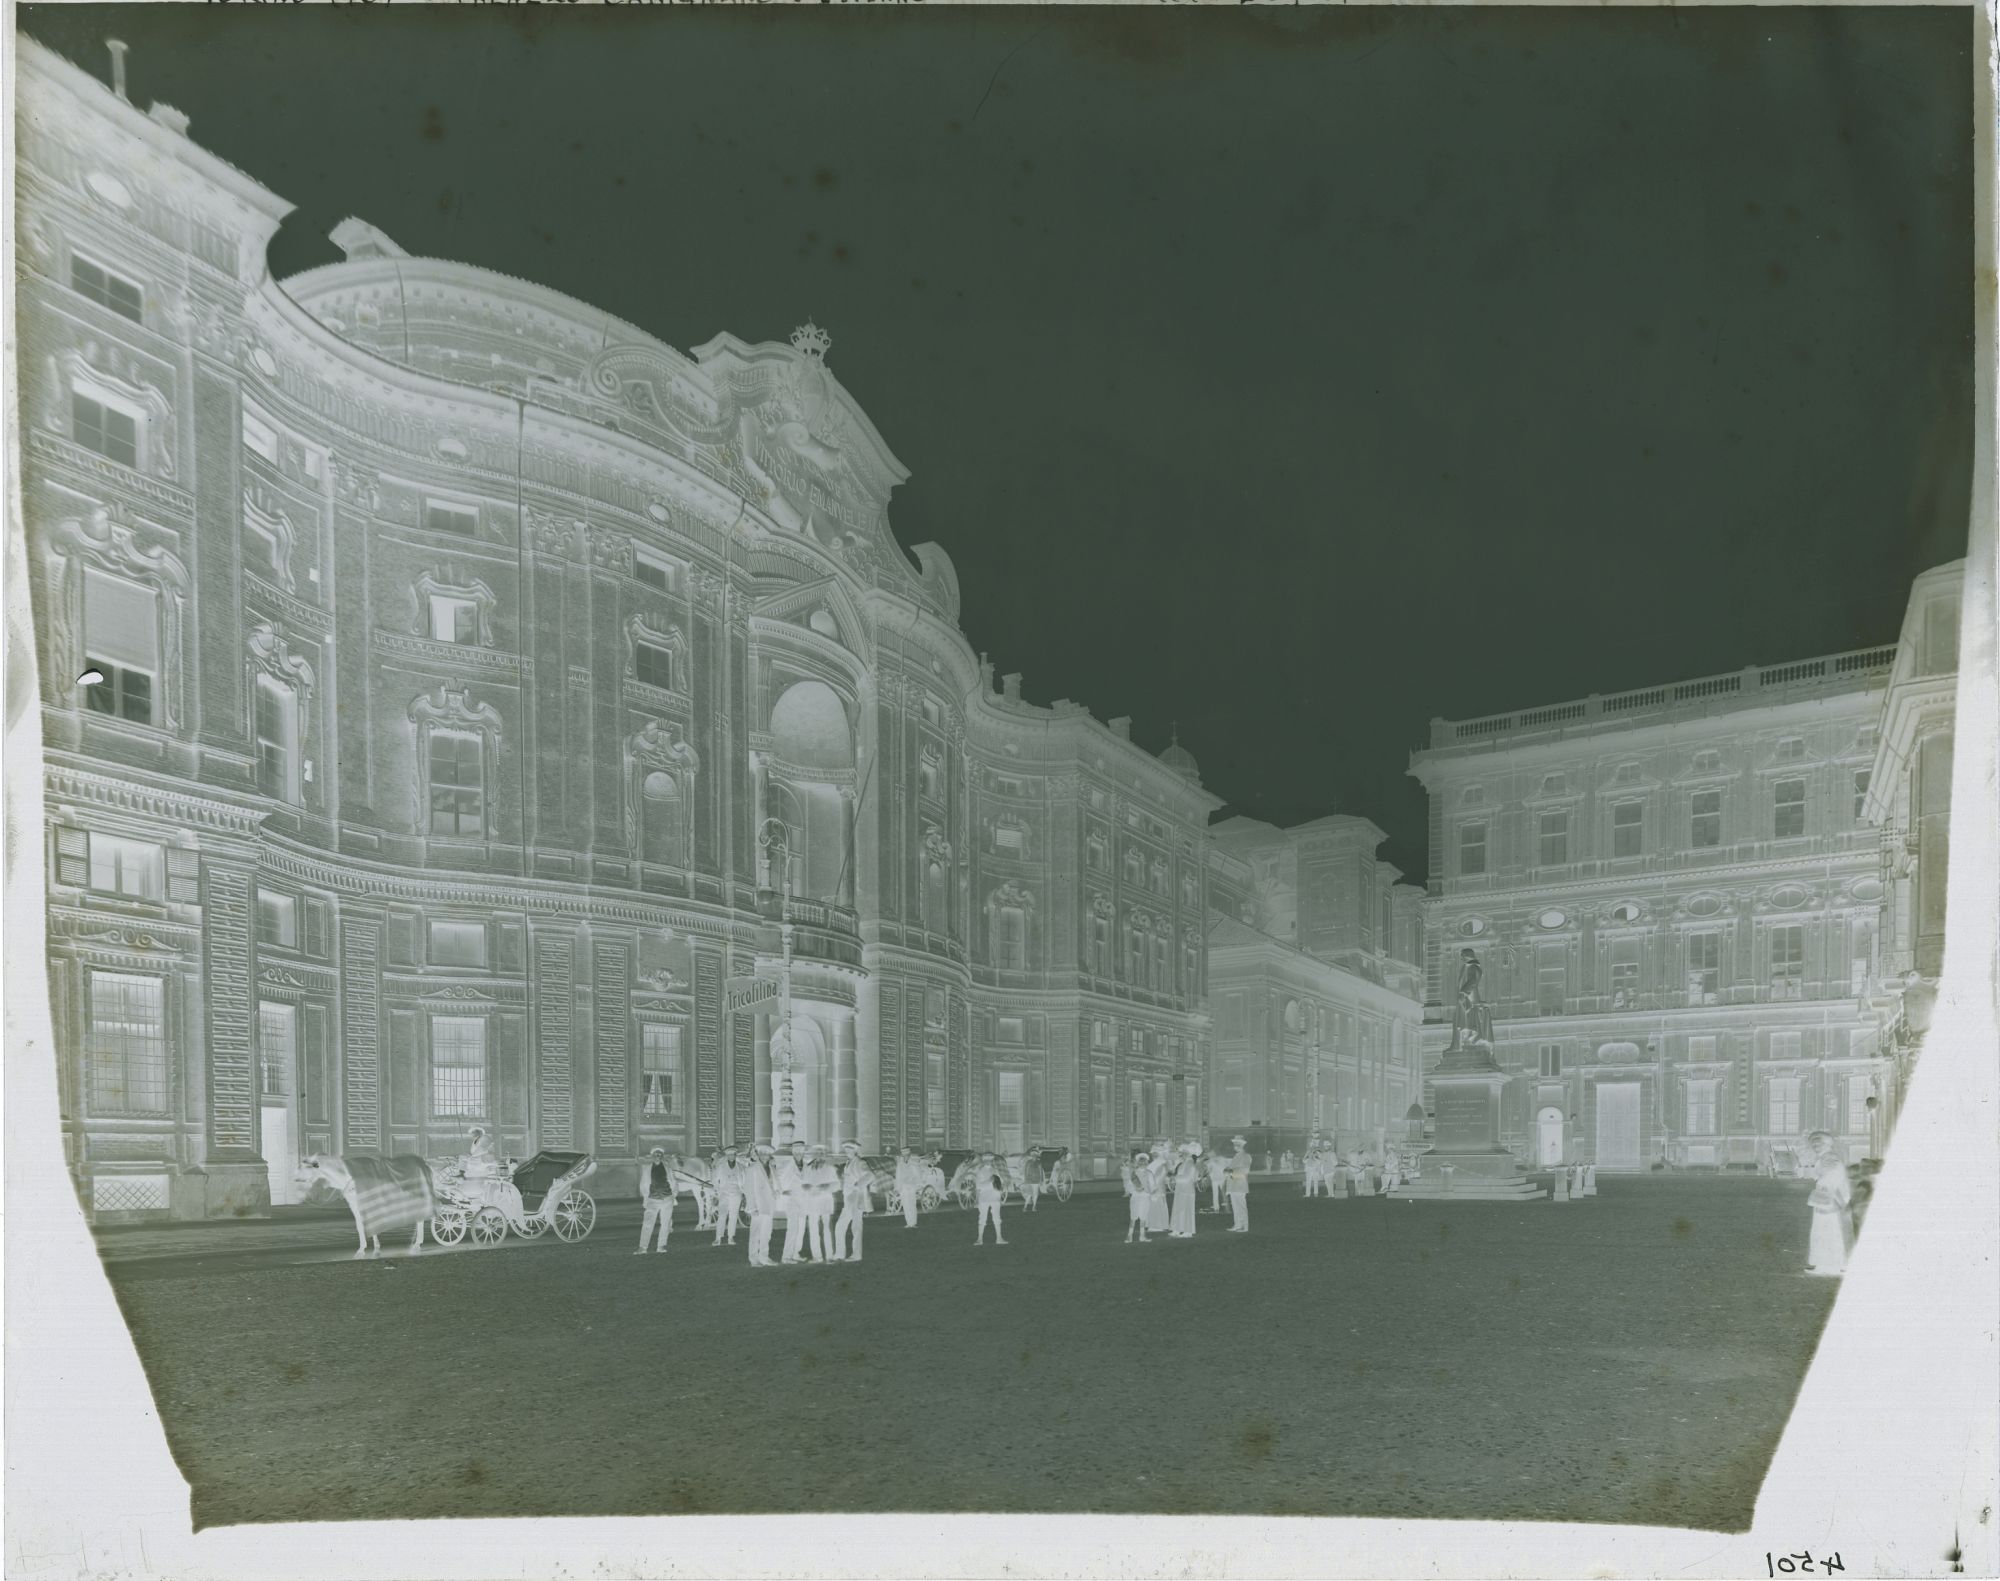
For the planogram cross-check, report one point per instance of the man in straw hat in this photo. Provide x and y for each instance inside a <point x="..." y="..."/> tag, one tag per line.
<point x="909" y="1182"/>
<point x="762" y="1198"/>
<point x="1239" y="1186"/>
<point x="728" y="1180"/>
<point x="856" y="1186"/>
<point x="656" y="1192"/>
<point x="987" y="1189"/>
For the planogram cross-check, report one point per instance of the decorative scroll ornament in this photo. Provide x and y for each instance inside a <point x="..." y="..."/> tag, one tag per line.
<point x="108" y="540"/>
<point x="658" y="749"/>
<point x="270" y="653"/>
<point x="452" y="708"/>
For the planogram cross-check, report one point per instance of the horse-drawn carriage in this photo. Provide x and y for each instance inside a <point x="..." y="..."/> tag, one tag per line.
<point x="543" y="1194"/>
<point x="1057" y="1168"/>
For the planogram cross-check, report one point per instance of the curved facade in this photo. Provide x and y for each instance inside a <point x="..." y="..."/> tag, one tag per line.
<point x="502" y="717"/>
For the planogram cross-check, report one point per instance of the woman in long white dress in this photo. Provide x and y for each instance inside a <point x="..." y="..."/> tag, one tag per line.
<point x="1832" y="1200"/>
<point x="1186" y="1173"/>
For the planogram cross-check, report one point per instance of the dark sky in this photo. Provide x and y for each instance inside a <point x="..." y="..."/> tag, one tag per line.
<point x="1298" y="375"/>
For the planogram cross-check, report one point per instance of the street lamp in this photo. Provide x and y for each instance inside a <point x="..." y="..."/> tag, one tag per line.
<point x="774" y="840"/>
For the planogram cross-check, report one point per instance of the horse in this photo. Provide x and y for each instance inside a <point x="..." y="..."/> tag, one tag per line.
<point x="691" y="1173"/>
<point x="389" y="1194"/>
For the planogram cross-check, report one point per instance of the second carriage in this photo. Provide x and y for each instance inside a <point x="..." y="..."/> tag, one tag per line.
<point x="1055" y="1165"/>
<point x="531" y="1198"/>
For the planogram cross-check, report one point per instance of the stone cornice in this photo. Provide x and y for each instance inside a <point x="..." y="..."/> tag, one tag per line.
<point x="64" y="782"/>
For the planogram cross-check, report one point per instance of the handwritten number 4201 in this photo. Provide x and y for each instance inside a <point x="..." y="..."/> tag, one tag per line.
<point x="1796" y="1564"/>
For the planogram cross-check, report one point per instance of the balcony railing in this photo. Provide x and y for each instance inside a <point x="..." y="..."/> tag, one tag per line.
<point x="1831" y="672"/>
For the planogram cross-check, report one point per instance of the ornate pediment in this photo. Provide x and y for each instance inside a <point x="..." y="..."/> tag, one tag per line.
<point x="823" y="607"/>
<point x="452" y="708"/>
<point x="270" y="653"/>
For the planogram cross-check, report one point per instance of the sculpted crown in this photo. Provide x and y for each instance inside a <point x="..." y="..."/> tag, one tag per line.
<point x="812" y="341"/>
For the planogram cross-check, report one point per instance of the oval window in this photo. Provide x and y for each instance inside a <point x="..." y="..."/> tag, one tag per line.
<point x="263" y="362"/>
<point x="1867" y="889"/>
<point x="658" y="511"/>
<point x="454" y="448"/>
<point x="1472" y="927"/>
<point x="1788" y="898"/>
<point x="1704" y="905"/>
<point x="109" y="188"/>
<point x="1552" y="919"/>
<point x="1625" y="911"/>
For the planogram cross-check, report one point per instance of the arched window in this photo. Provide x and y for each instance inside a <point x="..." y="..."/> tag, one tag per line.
<point x="934" y="895"/>
<point x="1010" y="938"/>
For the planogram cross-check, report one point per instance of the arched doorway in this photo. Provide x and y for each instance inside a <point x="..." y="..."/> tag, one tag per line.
<point x="807" y="790"/>
<point x="798" y="1093"/>
<point x="1549" y="1137"/>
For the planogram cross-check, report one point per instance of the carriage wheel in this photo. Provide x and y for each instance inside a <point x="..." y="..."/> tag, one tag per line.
<point x="489" y="1227"/>
<point x="1063" y="1185"/>
<point x="967" y="1193"/>
<point x="575" y="1215"/>
<point x="928" y="1199"/>
<point x="532" y="1227"/>
<point x="448" y="1228"/>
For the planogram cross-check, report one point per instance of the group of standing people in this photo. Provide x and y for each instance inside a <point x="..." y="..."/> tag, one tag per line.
<point x="800" y="1185"/>
<point x="1163" y="1184"/>
<point x="1329" y="1172"/>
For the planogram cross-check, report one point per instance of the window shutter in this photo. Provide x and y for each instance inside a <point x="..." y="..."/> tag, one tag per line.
<point x="120" y="621"/>
<point x="313" y="1084"/>
<point x="316" y="928"/>
<point x="183" y="875"/>
<point x="72" y="856"/>
<point x="401" y="944"/>
<point x="508" y="950"/>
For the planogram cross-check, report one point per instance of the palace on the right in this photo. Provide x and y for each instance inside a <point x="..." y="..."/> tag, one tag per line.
<point x="1710" y="914"/>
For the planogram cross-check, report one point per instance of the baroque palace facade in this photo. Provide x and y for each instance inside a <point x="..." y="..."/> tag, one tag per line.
<point x="1708" y="915"/>
<point x="502" y="718"/>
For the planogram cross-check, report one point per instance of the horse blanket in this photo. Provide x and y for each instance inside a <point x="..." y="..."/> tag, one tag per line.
<point x="390" y="1193"/>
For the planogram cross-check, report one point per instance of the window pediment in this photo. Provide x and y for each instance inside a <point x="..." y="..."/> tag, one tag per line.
<point x="443" y="582"/>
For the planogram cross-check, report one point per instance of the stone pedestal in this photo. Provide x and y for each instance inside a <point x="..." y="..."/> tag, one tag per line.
<point x="1466" y="1159"/>
<point x="236" y="1190"/>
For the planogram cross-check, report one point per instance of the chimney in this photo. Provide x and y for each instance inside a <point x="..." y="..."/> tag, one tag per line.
<point x="986" y="674"/>
<point x="1121" y="727"/>
<point x="117" y="46"/>
<point x="1011" y="686"/>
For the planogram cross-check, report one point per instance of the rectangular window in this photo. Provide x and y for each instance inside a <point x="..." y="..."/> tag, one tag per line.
<point x="1100" y="1105"/>
<point x="654" y="573"/>
<point x="1860" y="794"/>
<point x="132" y="868"/>
<point x="128" y="1044"/>
<point x="928" y="776"/>
<point x="653" y="665"/>
<point x="260" y="438"/>
<point x="277" y="739"/>
<point x="1859" y="1090"/>
<point x="1701" y="1050"/>
<point x="121" y="641"/>
<point x="443" y="516"/>
<point x="457" y="792"/>
<point x="454" y="619"/>
<point x="1788" y="812"/>
<point x="1100" y="1034"/>
<point x="933" y="713"/>
<point x="1138" y="1105"/>
<point x="1555" y="839"/>
<point x="1624" y="974"/>
<point x="457" y="944"/>
<point x="1704" y="968"/>
<point x="458" y="1065"/>
<point x="113" y="434"/>
<point x="1010" y="1029"/>
<point x="1010" y="939"/>
<point x="1551" y="985"/>
<point x="660" y="1070"/>
<point x="1787" y="1045"/>
<point x="277" y="919"/>
<point x="106" y="289"/>
<point x="1008" y="840"/>
<point x="1705" y="831"/>
<point x="1784" y="1106"/>
<point x="1861" y="955"/>
<point x="1471" y="849"/>
<point x="934" y="1093"/>
<point x="1628" y="824"/>
<point x="1788" y="961"/>
<point x="1552" y="1059"/>
<point x="1701" y="1107"/>
<point x="277" y="1047"/>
